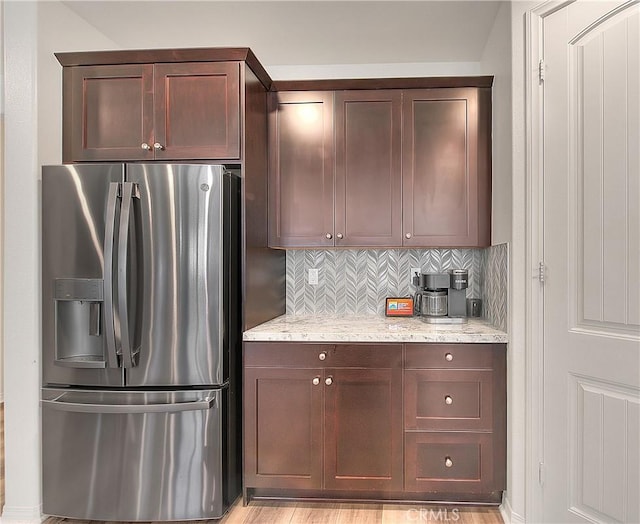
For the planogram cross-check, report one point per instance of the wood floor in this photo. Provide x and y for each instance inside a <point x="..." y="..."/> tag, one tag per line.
<point x="331" y="513"/>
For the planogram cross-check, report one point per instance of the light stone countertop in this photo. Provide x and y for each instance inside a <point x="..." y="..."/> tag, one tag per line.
<point x="371" y="328"/>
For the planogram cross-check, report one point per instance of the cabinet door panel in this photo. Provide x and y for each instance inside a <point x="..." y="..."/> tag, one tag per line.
<point x="363" y="418"/>
<point x="283" y="428"/>
<point x="368" y="168"/>
<point x="301" y="172"/>
<point x="108" y="112"/>
<point x="440" y="167"/>
<point x="197" y="110"/>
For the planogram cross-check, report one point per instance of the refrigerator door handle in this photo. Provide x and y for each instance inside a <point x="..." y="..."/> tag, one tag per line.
<point x="109" y="236"/>
<point x="172" y="407"/>
<point x="129" y="357"/>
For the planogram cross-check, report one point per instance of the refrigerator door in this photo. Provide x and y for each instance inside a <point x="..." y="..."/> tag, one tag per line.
<point x="80" y="210"/>
<point x="184" y="218"/>
<point x="134" y="456"/>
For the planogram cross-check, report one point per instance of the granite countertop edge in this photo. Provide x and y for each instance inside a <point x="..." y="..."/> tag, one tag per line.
<point x="371" y="328"/>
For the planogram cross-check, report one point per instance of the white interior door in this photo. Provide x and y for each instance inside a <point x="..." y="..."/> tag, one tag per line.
<point x="591" y="115"/>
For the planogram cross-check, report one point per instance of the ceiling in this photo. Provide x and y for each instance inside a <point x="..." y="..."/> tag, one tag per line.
<point x="303" y="32"/>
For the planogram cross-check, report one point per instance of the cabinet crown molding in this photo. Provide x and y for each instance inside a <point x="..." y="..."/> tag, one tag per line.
<point x="150" y="56"/>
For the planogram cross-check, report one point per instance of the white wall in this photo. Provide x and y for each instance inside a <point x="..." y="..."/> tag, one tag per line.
<point x="32" y="31"/>
<point x="497" y="60"/>
<point x="1" y="194"/>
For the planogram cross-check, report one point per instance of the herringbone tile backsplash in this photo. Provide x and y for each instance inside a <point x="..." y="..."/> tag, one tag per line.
<point x="358" y="281"/>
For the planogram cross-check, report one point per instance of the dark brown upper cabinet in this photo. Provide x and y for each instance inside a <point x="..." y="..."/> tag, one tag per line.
<point x="162" y="111"/>
<point x="381" y="168"/>
<point x="368" y="194"/>
<point x="301" y="169"/>
<point x="446" y="171"/>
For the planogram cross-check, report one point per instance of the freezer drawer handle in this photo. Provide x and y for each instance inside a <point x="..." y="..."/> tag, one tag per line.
<point x="109" y="235"/>
<point x="78" y="407"/>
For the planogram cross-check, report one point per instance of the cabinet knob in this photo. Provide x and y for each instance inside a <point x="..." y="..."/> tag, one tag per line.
<point x="316" y="381"/>
<point x="329" y="236"/>
<point x="448" y="462"/>
<point x="407" y="235"/>
<point x="322" y="355"/>
<point x="158" y="146"/>
<point x="339" y="235"/>
<point x="145" y="146"/>
<point x="448" y="400"/>
<point x="328" y="381"/>
<point x="448" y="357"/>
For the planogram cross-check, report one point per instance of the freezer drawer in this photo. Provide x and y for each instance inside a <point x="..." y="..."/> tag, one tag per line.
<point x="133" y="456"/>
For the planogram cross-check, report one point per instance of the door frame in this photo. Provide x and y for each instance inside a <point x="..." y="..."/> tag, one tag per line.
<point x="534" y="255"/>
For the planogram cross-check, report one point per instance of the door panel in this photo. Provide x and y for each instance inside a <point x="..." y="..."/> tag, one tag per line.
<point x="180" y="212"/>
<point x="197" y="110"/>
<point x="301" y="170"/>
<point x="131" y="456"/>
<point x="74" y="214"/>
<point x="368" y="168"/>
<point x="591" y="230"/>
<point x="363" y="417"/>
<point x="110" y="111"/>
<point x="440" y="168"/>
<point x="283" y="428"/>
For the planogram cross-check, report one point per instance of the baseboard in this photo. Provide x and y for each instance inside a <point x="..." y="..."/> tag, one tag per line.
<point x="21" y="515"/>
<point x="508" y="515"/>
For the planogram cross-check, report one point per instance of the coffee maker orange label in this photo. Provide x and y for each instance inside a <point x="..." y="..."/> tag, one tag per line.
<point x="399" y="307"/>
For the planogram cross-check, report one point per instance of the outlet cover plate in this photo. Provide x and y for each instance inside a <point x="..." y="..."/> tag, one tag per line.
<point x="313" y="277"/>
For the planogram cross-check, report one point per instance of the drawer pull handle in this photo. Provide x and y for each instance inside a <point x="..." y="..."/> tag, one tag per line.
<point x="322" y="355"/>
<point x="316" y="381"/>
<point x="328" y="381"/>
<point x="448" y="400"/>
<point x="448" y="462"/>
<point x="448" y="357"/>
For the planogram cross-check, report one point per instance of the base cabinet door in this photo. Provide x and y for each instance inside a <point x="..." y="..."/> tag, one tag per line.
<point x="363" y="429"/>
<point x="283" y="428"/>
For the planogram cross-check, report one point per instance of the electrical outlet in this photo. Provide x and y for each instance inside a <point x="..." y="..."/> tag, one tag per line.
<point x="415" y="271"/>
<point x="313" y="277"/>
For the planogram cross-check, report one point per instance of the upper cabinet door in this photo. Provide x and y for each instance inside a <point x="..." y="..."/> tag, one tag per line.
<point x="108" y="113"/>
<point x="301" y="171"/>
<point x="368" y="195"/>
<point x="197" y="110"/>
<point x="446" y="175"/>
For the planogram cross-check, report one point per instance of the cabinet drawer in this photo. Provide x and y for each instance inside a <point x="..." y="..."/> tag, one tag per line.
<point x="292" y="354"/>
<point x="448" y="356"/>
<point x="448" y="399"/>
<point x="449" y="462"/>
<point x="286" y="354"/>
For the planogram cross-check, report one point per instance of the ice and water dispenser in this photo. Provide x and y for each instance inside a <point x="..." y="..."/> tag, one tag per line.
<point x="78" y="320"/>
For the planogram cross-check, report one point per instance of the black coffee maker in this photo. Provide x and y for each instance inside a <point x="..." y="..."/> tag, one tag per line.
<point x="441" y="298"/>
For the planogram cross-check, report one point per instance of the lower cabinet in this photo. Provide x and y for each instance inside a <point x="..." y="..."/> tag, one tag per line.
<point x="375" y="421"/>
<point x="323" y="416"/>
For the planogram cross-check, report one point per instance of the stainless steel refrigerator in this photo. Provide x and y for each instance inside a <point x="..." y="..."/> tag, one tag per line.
<point x="141" y="341"/>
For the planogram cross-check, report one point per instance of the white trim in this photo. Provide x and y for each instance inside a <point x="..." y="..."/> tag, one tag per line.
<point x="22" y="515"/>
<point x="507" y="513"/>
<point x="534" y="290"/>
